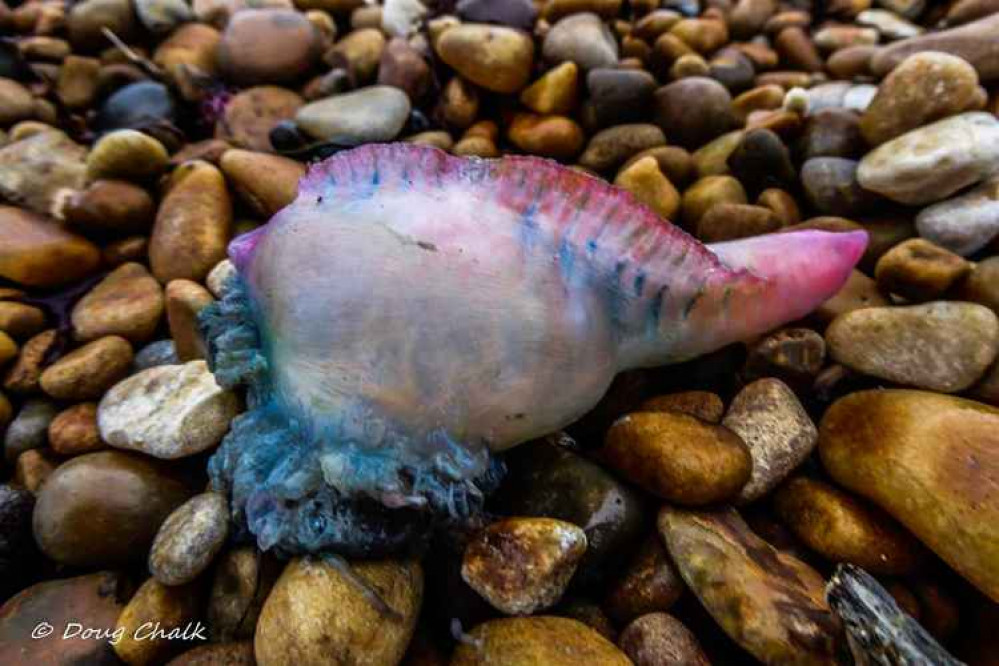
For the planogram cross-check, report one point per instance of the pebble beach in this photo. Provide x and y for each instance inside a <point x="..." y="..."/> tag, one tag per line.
<point x="704" y="513"/>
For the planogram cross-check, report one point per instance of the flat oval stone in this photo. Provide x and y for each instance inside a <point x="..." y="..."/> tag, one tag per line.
<point x="678" y="457"/>
<point x="128" y="302"/>
<point x="37" y="252"/>
<point x="168" y="411"/>
<point x="659" y="639"/>
<point x="104" y="508"/>
<point x="372" y="114"/>
<point x="964" y="224"/>
<point x="266" y="183"/>
<point x="268" y="46"/>
<point x="497" y="58"/>
<point x="932" y="462"/>
<point x="316" y="610"/>
<point x="925" y="87"/>
<point x="88" y="371"/>
<point x="940" y="346"/>
<point x="933" y="161"/>
<point x="767" y="601"/>
<point x="537" y="640"/>
<point x="189" y="539"/>
<point x="251" y="114"/>
<point x="136" y="105"/>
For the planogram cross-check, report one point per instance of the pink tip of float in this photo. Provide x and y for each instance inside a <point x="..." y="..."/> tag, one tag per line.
<point x="241" y="247"/>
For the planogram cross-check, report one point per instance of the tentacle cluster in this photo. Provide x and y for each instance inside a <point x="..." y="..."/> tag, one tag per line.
<point x="302" y="487"/>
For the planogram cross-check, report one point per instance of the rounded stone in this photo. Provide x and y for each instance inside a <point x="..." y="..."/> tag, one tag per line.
<point x="832" y="187"/>
<point x="768" y="417"/>
<point x="35" y="170"/>
<point x="241" y="582"/>
<point x="650" y="186"/>
<point x="581" y="38"/>
<point x="86" y="20"/>
<point x="128" y="302"/>
<point x="161" y="16"/>
<point x="536" y="641"/>
<point x="974" y="42"/>
<point x="964" y="224"/>
<point x="609" y="148"/>
<point x="245" y="170"/>
<point x="261" y="46"/>
<point x="556" y="91"/>
<point x="523" y="565"/>
<point x="930" y="461"/>
<point x="925" y="87"/>
<point x="87" y="372"/>
<point x="24" y="374"/>
<point x="251" y="114"/>
<point x="650" y="584"/>
<point x="557" y="137"/>
<point x="940" y="346"/>
<point x="704" y="405"/>
<point x="137" y="105"/>
<point x="619" y="95"/>
<point x="372" y="114"/>
<point x="126" y="154"/>
<point x="498" y="58"/>
<point x="154" y="606"/>
<point x="189" y="539"/>
<point x="918" y="270"/>
<point x="217" y="654"/>
<point x="317" y="609"/>
<point x="37" y="252"/>
<point x="708" y="192"/>
<point x="16" y="103"/>
<point x="677" y="457"/>
<point x="113" y="206"/>
<point x="28" y="429"/>
<point x="694" y="110"/>
<point x="169" y="411"/>
<point x="934" y="161"/>
<point x="103" y="509"/>
<point x="74" y="430"/>
<point x="659" y="639"/>
<point x="193" y="224"/>
<point x="843" y="528"/>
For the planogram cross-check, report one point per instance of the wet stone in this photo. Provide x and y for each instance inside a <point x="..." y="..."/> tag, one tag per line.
<point x="169" y="411"/>
<point x="128" y="302"/>
<point x="694" y="110"/>
<point x="919" y="270"/>
<point x="137" y="105"/>
<point x="831" y="185"/>
<point x="251" y="114"/>
<point x="170" y="609"/>
<point x="23" y="376"/>
<point x="941" y="346"/>
<point x="241" y="582"/>
<point x="189" y="539"/>
<point x="35" y="251"/>
<point x="779" y="433"/>
<point x="659" y="639"/>
<point x="609" y="148"/>
<point x="619" y="95"/>
<point x="498" y="58"/>
<point x="34" y="169"/>
<point x="677" y="457"/>
<point x="761" y="160"/>
<point x="73" y="431"/>
<point x="29" y="429"/>
<point x="315" y="609"/>
<point x="963" y="224"/>
<point x="372" y="114"/>
<point x="926" y="459"/>
<point x="262" y="46"/>
<point x="650" y="584"/>
<point x="113" y="206"/>
<point x="769" y="602"/>
<point x="88" y="371"/>
<point x="103" y="509"/>
<point x="523" y="565"/>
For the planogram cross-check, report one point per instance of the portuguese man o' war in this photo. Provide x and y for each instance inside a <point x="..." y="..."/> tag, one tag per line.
<point x="411" y="314"/>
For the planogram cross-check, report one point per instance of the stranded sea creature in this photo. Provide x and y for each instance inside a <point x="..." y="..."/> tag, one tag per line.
<point x="412" y="313"/>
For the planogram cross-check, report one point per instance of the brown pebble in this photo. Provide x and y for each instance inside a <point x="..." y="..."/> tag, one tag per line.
<point x="650" y="584"/>
<point x="557" y="137"/>
<point x="842" y="528"/>
<point x="644" y="179"/>
<point x="193" y="224"/>
<point x="704" y="405"/>
<point x="729" y="221"/>
<point x="87" y="372"/>
<point x="110" y="206"/>
<point x="678" y="457"/>
<point x="74" y="430"/>
<point x="498" y="58"/>
<point x="128" y="302"/>
<point x="154" y="605"/>
<point x="37" y="252"/>
<point x="251" y="114"/>
<point x="23" y="376"/>
<point x="659" y="639"/>
<point x="523" y="565"/>
<point x="708" y="192"/>
<point x="20" y="321"/>
<point x="262" y="46"/>
<point x="919" y="270"/>
<point x="265" y="195"/>
<point x="539" y="639"/>
<point x="184" y="300"/>
<point x="33" y="467"/>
